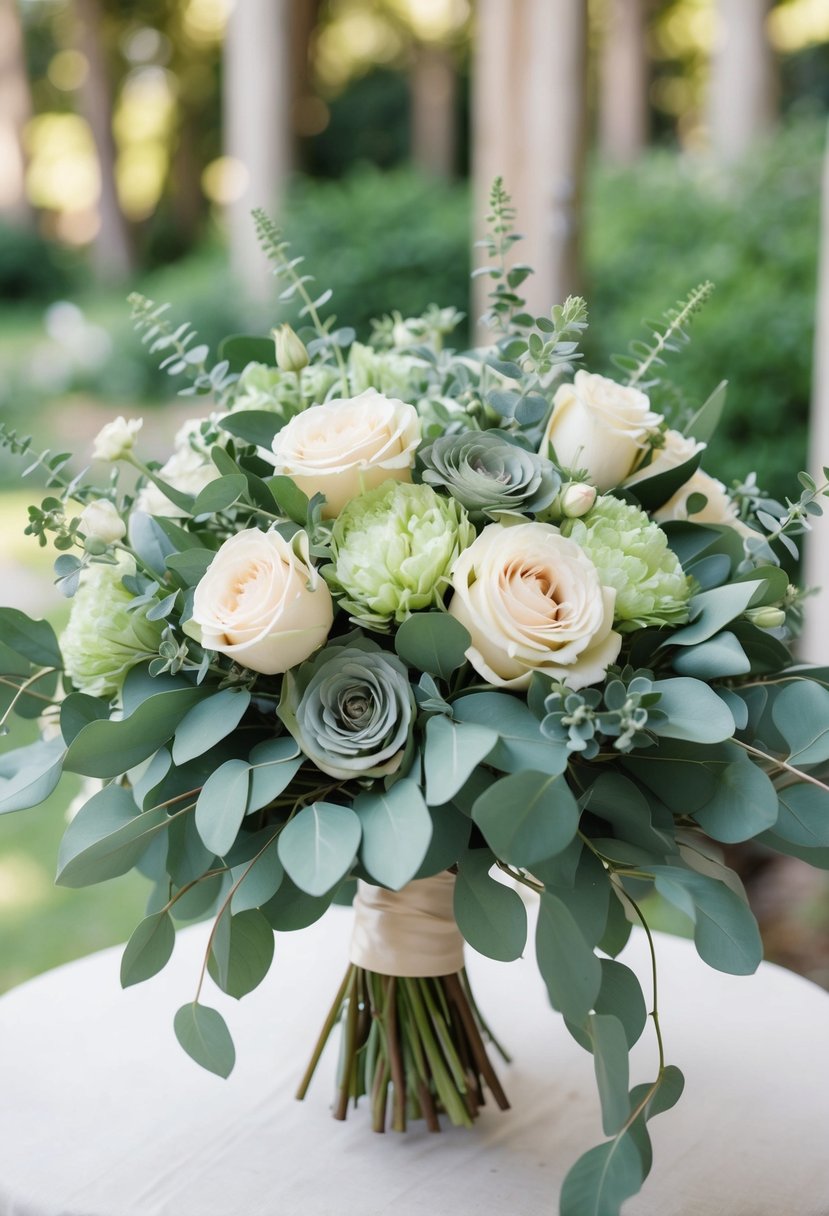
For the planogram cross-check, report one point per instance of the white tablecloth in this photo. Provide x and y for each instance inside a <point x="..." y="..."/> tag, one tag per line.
<point x="102" y="1114"/>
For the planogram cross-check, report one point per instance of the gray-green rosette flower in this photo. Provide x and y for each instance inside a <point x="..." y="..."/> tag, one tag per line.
<point x="350" y="709"/>
<point x="392" y="550"/>
<point x="486" y="473"/>
<point x="631" y="554"/>
<point x="103" y="640"/>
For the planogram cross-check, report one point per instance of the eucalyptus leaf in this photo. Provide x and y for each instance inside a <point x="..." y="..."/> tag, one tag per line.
<point x="274" y="764"/>
<point x="449" y="840"/>
<point x="242" y="349"/>
<point x="433" y="642"/>
<point x="726" y="934"/>
<point x="712" y="610"/>
<point x="694" y="712"/>
<point x="610" y="1061"/>
<point x="242" y="960"/>
<point x="28" y="775"/>
<point x="253" y="426"/>
<point x="34" y="640"/>
<point x="801" y="714"/>
<point x="521" y="745"/>
<point x="705" y="421"/>
<point x="204" y="1035"/>
<point x="209" y="721"/>
<point x="396" y="830"/>
<point x="720" y="656"/>
<point x="108" y="748"/>
<point x="451" y="752"/>
<point x="804" y="815"/>
<point x="602" y="1179"/>
<point x="569" y="967"/>
<point x="490" y="915"/>
<point x="527" y="817"/>
<point x="291" y="908"/>
<point x="318" y="846"/>
<point x="106" y="838"/>
<point x="258" y="879"/>
<point x="190" y="565"/>
<point x="221" y="805"/>
<point x="148" y="950"/>
<point x="220" y="494"/>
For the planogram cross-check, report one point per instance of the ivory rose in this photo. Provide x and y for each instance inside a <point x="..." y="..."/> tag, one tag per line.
<point x="348" y="446"/>
<point x="262" y="603"/>
<point x="599" y="426"/>
<point x="99" y="520"/>
<point x="677" y="449"/>
<point x="116" y="439"/>
<point x="532" y="601"/>
<point x="186" y="470"/>
<point x="719" y="509"/>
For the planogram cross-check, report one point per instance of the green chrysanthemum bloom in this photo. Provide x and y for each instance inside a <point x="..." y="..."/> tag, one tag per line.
<point x="390" y="372"/>
<point x="393" y="548"/>
<point x="261" y="387"/>
<point x="102" y="640"/>
<point x="631" y="554"/>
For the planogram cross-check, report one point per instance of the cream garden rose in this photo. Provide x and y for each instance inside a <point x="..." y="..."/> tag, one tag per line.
<point x="719" y="509"/>
<point x="348" y="446"/>
<point x="532" y="601"/>
<point x="599" y="426"/>
<point x="262" y="602"/>
<point x="676" y="450"/>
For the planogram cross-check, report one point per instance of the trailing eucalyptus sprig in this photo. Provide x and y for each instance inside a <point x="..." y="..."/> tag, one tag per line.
<point x="667" y="335"/>
<point x="277" y="251"/>
<point x="160" y="335"/>
<point x="505" y="313"/>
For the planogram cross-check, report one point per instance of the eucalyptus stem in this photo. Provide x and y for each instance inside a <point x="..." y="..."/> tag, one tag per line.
<point x="782" y="764"/>
<point x="23" y="688"/>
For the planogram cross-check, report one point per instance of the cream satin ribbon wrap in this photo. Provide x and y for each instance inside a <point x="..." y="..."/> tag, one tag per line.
<point x="411" y="932"/>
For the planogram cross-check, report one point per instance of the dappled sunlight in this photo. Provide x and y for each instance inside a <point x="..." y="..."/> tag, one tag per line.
<point x="24" y="884"/>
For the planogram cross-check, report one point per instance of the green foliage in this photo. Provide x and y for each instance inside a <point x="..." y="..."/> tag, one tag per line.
<point x="753" y="231"/>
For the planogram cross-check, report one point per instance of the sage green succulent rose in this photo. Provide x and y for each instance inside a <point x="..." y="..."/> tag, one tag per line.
<point x="350" y="709"/>
<point x="486" y="473"/>
<point x="632" y="555"/>
<point x="393" y="548"/>
<point x="103" y="640"/>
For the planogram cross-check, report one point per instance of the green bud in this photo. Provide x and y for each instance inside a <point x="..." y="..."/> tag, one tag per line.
<point x="291" y="355"/>
<point x="766" y="618"/>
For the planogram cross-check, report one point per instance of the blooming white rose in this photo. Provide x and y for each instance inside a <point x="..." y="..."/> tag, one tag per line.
<point x="99" y="520"/>
<point x="116" y="439"/>
<point x="348" y="446"/>
<point x="186" y="470"/>
<point x="719" y="509"/>
<point x="532" y="601"/>
<point x="262" y="602"/>
<point x="600" y="426"/>
<point x="677" y="450"/>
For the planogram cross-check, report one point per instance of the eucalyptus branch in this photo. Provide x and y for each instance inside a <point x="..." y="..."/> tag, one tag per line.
<point x="159" y="335"/>
<point x="666" y="335"/>
<point x="276" y="249"/>
<point x="783" y="765"/>
<point x="520" y="876"/>
<point x="225" y="905"/>
<point x="655" y="1011"/>
<point x="22" y="688"/>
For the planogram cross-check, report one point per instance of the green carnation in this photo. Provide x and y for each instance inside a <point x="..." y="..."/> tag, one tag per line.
<point x="102" y="640"/>
<point x="393" y="548"/>
<point x="631" y="554"/>
<point x="261" y="387"/>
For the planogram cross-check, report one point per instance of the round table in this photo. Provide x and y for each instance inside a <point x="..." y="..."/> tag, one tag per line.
<point x="102" y="1113"/>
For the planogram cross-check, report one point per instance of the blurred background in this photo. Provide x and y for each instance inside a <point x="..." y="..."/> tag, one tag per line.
<point x="648" y="144"/>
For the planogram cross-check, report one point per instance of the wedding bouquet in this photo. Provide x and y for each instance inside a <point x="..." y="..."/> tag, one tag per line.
<point x="452" y="625"/>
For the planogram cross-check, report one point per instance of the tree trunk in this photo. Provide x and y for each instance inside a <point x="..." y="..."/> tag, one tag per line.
<point x="185" y="172"/>
<point x="742" y="101"/>
<point x="257" y="127"/>
<point x="529" y="126"/>
<point x="433" y="85"/>
<point x="15" y="109"/>
<point x="112" y="248"/>
<point x="814" y="644"/>
<point x="623" y="83"/>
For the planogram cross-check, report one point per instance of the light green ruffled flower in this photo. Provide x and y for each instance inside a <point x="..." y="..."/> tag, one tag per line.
<point x="631" y="554"/>
<point x="261" y="387"/>
<point x="102" y="640"/>
<point x="393" y="549"/>
<point x="390" y="372"/>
